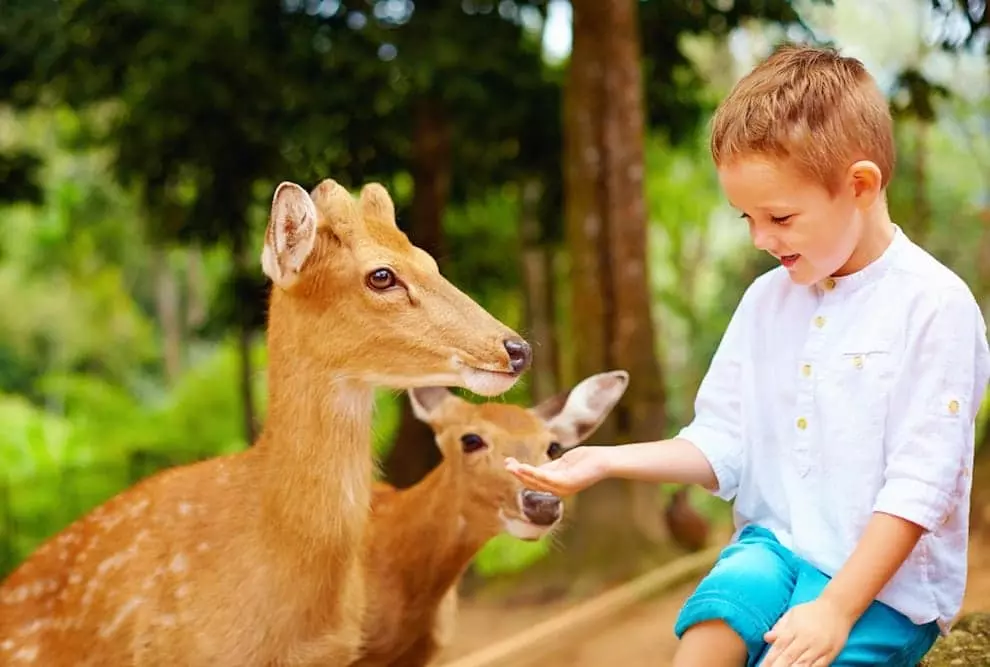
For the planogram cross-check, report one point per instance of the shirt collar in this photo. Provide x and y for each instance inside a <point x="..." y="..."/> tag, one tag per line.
<point x="869" y="273"/>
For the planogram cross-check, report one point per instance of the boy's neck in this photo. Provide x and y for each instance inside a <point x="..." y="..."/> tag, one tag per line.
<point x="878" y="232"/>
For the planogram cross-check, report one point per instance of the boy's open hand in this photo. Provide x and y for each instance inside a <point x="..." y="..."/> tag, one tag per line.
<point x="576" y="470"/>
<point x="809" y="635"/>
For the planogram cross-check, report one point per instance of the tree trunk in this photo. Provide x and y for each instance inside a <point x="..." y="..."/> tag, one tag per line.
<point x="246" y="294"/>
<point x="196" y="299"/>
<point x="606" y="223"/>
<point x="539" y="295"/>
<point x="413" y="453"/>
<point x="167" y="305"/>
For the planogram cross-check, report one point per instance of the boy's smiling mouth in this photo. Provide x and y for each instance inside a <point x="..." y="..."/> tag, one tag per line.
<point x="789" y="260"/>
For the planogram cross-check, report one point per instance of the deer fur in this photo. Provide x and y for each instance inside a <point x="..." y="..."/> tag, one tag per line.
<point x="422" y="539"/>
<point x="254" y="559"/>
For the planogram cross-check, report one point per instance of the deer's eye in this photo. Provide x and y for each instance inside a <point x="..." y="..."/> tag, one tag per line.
<point x="472" y="442"/>
<point x="555" y="450"/>
<point x="381" y="279"/>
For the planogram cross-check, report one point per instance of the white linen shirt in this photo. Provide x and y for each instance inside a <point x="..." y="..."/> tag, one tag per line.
<point x="826" y="403"/>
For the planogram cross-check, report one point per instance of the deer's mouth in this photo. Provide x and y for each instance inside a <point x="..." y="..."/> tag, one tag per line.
<point x="538" y="514"/>
<point x="521" y="528"/>
<point x="486" y="381"/>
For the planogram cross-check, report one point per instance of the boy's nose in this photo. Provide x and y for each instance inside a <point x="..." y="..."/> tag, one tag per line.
<point x="763" y="240"/>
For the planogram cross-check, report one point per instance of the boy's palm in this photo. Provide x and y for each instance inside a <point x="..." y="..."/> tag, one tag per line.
<point x="574" y="471"/>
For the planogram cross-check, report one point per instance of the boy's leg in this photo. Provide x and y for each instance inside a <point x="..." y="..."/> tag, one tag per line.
<point x="881" y="636"/>
<point x="711" y="643"/>
<point x="748" y="589"/>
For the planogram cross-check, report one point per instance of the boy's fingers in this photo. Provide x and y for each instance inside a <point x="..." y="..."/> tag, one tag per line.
<point x="536" y="479"/>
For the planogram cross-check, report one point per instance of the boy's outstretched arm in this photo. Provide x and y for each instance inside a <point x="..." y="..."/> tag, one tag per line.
<point x="675" y="460"/>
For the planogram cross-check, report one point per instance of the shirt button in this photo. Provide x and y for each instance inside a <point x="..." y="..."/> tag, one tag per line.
<point x="819" y="321"/>
<point x="802" y="423"/>
<point x="858" y="361"/>
<point x="954" y="406"/>
<point x="829" y="284"/>
<point x="806" y="370"/>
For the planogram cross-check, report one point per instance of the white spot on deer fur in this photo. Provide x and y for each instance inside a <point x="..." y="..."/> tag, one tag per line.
<point x="182" y="591"/>
<point x="178" y="564"/>
<point x="120" y="617"/>
<point x="31" y="627"/>
<point x="138" y="508"/>
<point x="202" y="546"/>
<point x="167" y="620"/>
<point x="75" y="577"/>
<point x="185" y="508"/>
<point x="7" y="645"/>
<point x="26" y="654"/>
<point x="19" y="594"/>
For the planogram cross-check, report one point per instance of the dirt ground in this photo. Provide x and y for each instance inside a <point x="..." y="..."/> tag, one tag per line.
<point x="641" y="637"/>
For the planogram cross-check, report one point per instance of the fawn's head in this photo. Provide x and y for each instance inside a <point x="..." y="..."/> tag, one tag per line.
<point x="350" y="291"/>
<point x="478" y="437"/>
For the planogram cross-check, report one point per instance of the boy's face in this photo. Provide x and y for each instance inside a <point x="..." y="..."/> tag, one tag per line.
<point x="813" y="233"/>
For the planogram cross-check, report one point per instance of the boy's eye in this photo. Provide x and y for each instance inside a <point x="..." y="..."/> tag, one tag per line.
<point x="779" y="220"/>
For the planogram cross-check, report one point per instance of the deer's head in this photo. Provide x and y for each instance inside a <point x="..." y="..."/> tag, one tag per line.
<point x="344" y="275"/>
<point x="477" y="438"/>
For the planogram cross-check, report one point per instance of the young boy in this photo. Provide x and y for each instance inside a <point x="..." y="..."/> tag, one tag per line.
<point x="838" y="412"/>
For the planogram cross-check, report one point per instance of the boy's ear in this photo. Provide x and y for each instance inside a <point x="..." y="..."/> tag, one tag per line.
<point x="866" y="181"/>
<point x="576" y="414"/>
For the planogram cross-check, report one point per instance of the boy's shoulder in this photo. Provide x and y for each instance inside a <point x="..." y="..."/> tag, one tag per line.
<point x="925" y="272"/>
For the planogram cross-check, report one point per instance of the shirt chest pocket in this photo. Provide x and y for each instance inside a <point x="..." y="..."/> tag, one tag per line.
<point x="856" y="399"/>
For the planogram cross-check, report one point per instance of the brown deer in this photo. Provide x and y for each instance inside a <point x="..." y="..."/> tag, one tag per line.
<point x="255" y="559"/>
<point x="421" y="539"/>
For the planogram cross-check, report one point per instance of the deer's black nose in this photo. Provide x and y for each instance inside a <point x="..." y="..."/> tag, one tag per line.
<point x="520" y="354"/>
<point x="543" y="509"/>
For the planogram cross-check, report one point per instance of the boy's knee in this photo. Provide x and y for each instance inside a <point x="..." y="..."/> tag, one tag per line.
<point x="748" y="589"/>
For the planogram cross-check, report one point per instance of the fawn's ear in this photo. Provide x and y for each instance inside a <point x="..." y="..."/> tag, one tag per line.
<point x="426" y="402"/>
<point x="290" y="236"/>
<point x="576" y="414"/>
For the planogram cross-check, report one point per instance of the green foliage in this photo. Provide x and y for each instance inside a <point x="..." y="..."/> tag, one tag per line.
<point x="505" y="554"/>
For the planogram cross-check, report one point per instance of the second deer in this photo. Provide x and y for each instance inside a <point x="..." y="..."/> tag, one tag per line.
<point x="421" y="539"/>
<point x="254" y="559"/>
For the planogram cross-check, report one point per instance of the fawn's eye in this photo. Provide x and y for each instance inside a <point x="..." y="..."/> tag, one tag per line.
<point x="472" y="442"/>
<point x="555" y="450"/>
<point x="381" y="279"/>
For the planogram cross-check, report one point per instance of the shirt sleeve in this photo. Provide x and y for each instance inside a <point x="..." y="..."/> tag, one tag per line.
<point x="938" y="391"/>
<point x="716" y="427"/>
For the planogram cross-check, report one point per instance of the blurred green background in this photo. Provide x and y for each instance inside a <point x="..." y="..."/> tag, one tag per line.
<point x="140" y="142"/>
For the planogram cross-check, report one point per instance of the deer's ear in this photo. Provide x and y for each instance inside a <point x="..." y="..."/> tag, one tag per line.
<point x="376" y="204"/>
<point x="290" y="236"/>
<point x="426" y="401"/>
<point x="576" y="414"/>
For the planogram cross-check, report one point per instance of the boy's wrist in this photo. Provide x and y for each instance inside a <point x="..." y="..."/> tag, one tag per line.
<point x="845" y="608"/>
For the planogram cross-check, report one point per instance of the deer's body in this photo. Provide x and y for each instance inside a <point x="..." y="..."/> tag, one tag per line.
<point x="421" y="539"/>
<point x="254" y="559"/>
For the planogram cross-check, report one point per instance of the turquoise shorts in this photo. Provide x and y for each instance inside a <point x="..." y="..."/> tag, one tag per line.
<point x="756" y="580"/>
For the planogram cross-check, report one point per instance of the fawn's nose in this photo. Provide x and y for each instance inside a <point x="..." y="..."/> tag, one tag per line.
<point x="543" y="509"/>
<point x="520" y="354"/>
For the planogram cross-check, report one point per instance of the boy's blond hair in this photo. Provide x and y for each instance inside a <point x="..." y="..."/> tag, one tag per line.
<point x="811" y="106"/>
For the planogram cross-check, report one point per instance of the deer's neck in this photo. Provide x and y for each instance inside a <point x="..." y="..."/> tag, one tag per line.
<point x="429" y="533"/>
<point x="316" y="465"/>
